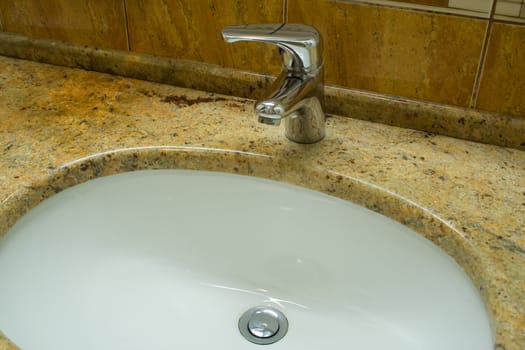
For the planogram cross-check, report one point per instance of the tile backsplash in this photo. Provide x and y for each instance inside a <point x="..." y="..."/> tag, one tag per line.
<point x="502" y="87"/>
<point x="511" y="8"/>
<point x="458" y="59"/>
<point x="192" y="30"/>
<point x="96" y="23"/>
<point x="395" y="51"/>
<point x="440" y="3"/>
<point x="479" y="8"/>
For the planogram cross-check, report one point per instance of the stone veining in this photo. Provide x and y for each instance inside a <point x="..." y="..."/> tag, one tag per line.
<point x="61" y="126"/>
<point x="492" y="128"/>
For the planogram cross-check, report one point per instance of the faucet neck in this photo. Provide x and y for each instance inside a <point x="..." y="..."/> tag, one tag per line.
<point x="297" y="95"/>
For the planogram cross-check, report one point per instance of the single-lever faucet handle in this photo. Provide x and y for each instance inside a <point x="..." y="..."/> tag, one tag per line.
<point x="297" y="94"/>
<point x="301" y="43"/>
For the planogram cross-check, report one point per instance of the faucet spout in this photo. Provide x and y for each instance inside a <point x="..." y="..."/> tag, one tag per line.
<point x="285" y="94"/>
<point x="297" y="95"/>
<point x="297" y="99"/>
<point x="269" y="112"/>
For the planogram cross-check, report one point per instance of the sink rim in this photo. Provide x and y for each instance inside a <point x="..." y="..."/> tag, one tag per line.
<point x="200" y="184"/>
<point x="379" y="199"/>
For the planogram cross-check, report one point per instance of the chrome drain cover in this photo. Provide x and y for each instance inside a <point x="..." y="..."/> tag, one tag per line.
<point x="263" y="325"/>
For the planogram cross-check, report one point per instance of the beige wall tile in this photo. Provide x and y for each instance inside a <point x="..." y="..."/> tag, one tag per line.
<point x="502" y="87"/>
<point x="191" y="29"/>
<point x="473" y="5"/>
<point x="401" y="52"/>
<point x="469" y="8"/>
<point x="90" y="22"/>
<point x="508" y="8"/>
<point x="440" y="3"/>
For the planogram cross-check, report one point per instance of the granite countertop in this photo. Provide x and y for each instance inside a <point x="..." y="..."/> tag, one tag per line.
<point x="62" y="126"/>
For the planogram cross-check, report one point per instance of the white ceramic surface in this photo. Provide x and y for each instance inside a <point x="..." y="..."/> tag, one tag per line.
<point x="170" y="259"/>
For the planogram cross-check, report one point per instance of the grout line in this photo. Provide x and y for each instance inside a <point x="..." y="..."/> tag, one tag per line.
<point x="483" y="57"/>
<point x="127" y="25"/>
<point x="285" y="11"/>
<point x="277" y="29"/>
<point x="509" y="20"/>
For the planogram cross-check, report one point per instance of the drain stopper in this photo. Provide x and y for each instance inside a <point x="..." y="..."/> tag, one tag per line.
<point x="263" y="325"/>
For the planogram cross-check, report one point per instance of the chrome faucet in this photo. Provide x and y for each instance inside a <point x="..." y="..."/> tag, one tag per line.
<point x="297" y="94"/>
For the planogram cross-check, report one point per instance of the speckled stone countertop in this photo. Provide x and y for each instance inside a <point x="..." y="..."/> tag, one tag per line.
<point x="61" y="126"/>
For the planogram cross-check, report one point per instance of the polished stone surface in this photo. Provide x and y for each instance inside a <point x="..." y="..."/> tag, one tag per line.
<point x="417" y="54"/>
<point x="61" y="126"/>
<point x="492" y="128"/>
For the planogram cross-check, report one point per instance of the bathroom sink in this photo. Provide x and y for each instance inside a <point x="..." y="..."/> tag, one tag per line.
<point x="171" y="259"/>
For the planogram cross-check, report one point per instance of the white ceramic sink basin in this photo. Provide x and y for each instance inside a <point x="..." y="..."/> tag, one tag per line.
<point x="171" y="259"/>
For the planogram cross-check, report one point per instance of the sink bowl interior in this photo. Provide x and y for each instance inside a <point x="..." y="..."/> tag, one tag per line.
<point x="170" y="259"/>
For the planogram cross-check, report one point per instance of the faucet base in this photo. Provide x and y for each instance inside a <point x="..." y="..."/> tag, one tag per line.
<point x="306" y="124"/>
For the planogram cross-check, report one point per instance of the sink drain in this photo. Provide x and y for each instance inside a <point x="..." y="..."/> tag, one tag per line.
<point x="263" y="325"/>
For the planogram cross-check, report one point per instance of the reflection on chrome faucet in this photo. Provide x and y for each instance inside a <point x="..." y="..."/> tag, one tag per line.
<point x="297" y="94"/>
